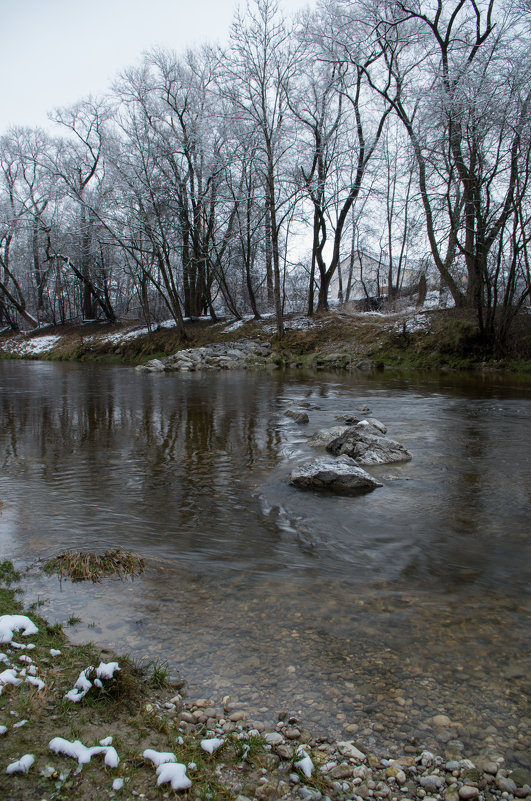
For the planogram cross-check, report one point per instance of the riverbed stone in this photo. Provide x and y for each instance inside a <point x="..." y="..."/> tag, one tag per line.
<point x="520" y="777"/>
<point x="505" y="784"/>
<point x="299" y="417"/>
<point x="468" y="792"/>
<point x="341" y="475"/>
<point x="274" y="738"/>
<point x="347" y="748"/>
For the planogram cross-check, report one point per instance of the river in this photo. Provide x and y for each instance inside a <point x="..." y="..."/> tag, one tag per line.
<point x="367" y="616"/>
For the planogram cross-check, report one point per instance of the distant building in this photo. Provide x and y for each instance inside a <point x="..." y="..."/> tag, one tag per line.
<point x="363" y="277"/>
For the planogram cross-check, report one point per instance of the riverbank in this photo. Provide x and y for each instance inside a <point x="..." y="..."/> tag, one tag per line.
<point x="65" y="737"/>
<point x="420" y="339"/>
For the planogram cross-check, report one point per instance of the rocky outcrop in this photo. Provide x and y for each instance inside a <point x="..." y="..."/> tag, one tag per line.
<point x="340" y="475"/>
<point x="366" y="444"/>
<point x="321" y="439"/>
<point x="237" y="355"/>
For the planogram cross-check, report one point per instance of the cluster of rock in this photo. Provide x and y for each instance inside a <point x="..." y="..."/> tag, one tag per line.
<point x="359" y="442"/>
<point x="220" y="356"/>
<point x="340" y="769"/>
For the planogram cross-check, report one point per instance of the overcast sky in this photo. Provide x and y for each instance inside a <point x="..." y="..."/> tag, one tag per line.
<point x="55" y="52"/>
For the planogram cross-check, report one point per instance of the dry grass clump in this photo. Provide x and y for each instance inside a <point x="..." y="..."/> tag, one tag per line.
<point x="88" y="566"/>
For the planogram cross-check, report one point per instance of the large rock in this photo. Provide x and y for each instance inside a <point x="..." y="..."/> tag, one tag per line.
<point x="366" y="445"/>
<point x="153" y="366"/>
<point x="340" y="475"/>
<point x="323" y="438"/>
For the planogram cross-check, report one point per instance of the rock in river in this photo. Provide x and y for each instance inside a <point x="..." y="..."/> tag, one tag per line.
<point x="340" y="475"/>
<point x="366" y="445"/>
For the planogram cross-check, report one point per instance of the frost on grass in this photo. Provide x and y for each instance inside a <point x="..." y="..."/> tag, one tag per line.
<point x="173" y="773"/>
<point x="22" y="765"/>
<point x="11" y="623"/>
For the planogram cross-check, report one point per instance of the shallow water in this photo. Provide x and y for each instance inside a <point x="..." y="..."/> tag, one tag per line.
<point x="367" y="615"/>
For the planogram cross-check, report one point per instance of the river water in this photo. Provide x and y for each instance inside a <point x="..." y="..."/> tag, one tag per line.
<point x="366" y="616"/>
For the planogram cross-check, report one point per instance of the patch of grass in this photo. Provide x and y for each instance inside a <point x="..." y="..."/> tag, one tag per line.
<point x="8" y="574"/>
<point x="88" y="566"/>
<point x="159" y="674"/>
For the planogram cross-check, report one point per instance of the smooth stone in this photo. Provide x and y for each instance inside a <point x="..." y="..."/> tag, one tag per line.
<point x="520" y="777"/>
<point x="468" y="792"/>
<point x="348" y="749"/>
<point x="341" y="475"/>
<point x="292" y="733"/>
<point x="505" y="784"/>
<point x="441" y="721"/>
<point x="264" y="792"/>
<point x="432" y="783"/>
<point x="299" y="417"/>
<point x="342" y="771"/>
<point x="274" y="738"/>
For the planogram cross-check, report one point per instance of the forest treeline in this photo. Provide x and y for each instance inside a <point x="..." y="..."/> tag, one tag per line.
<point x="243" y="178"/>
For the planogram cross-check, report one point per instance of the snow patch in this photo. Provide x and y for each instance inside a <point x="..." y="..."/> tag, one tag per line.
<point x="11" y="623"/>
<point x="173" y="773"/>
<point x="83" y="754"/>
<point x="159" y="757"/>
<point x="23" y="764"/>
<point x="106" y="670"/>
<point x="305" y="764"/>
<point x="211" y="745"/>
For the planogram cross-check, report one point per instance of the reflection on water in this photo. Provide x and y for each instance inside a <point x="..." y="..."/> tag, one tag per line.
<point x="369" y="614"/>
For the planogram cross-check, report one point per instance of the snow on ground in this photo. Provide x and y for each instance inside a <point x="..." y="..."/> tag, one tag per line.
<point x="305" y="763"/>
<point x="413" y="325"/>
<point x="76" y="750"/>
<point x="35" y="346"/>
<point x="159" y="757"/>
<point x="104" y="671"/>
<point x="122" y="336"/>
<point x="173" y="773"/>
<point x="211" y="745"/>
<point x="23" y="764"/>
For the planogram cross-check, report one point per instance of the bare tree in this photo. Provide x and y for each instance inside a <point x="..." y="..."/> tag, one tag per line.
<point x="260" y="68"/>
<point x="460" y="85"/>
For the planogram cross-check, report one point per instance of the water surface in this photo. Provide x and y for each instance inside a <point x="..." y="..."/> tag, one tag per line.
<point x="367" y="615"/>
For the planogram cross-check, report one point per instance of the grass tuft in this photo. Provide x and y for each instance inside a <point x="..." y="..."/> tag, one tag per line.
<point x="88" y="566"/>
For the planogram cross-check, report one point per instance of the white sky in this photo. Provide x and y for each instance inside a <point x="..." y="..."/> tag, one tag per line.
<point x="55" y="52"/>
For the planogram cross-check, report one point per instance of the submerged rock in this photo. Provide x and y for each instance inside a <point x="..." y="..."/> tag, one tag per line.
<point x="299" y="417"/>
<point x="340" y="475"/>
